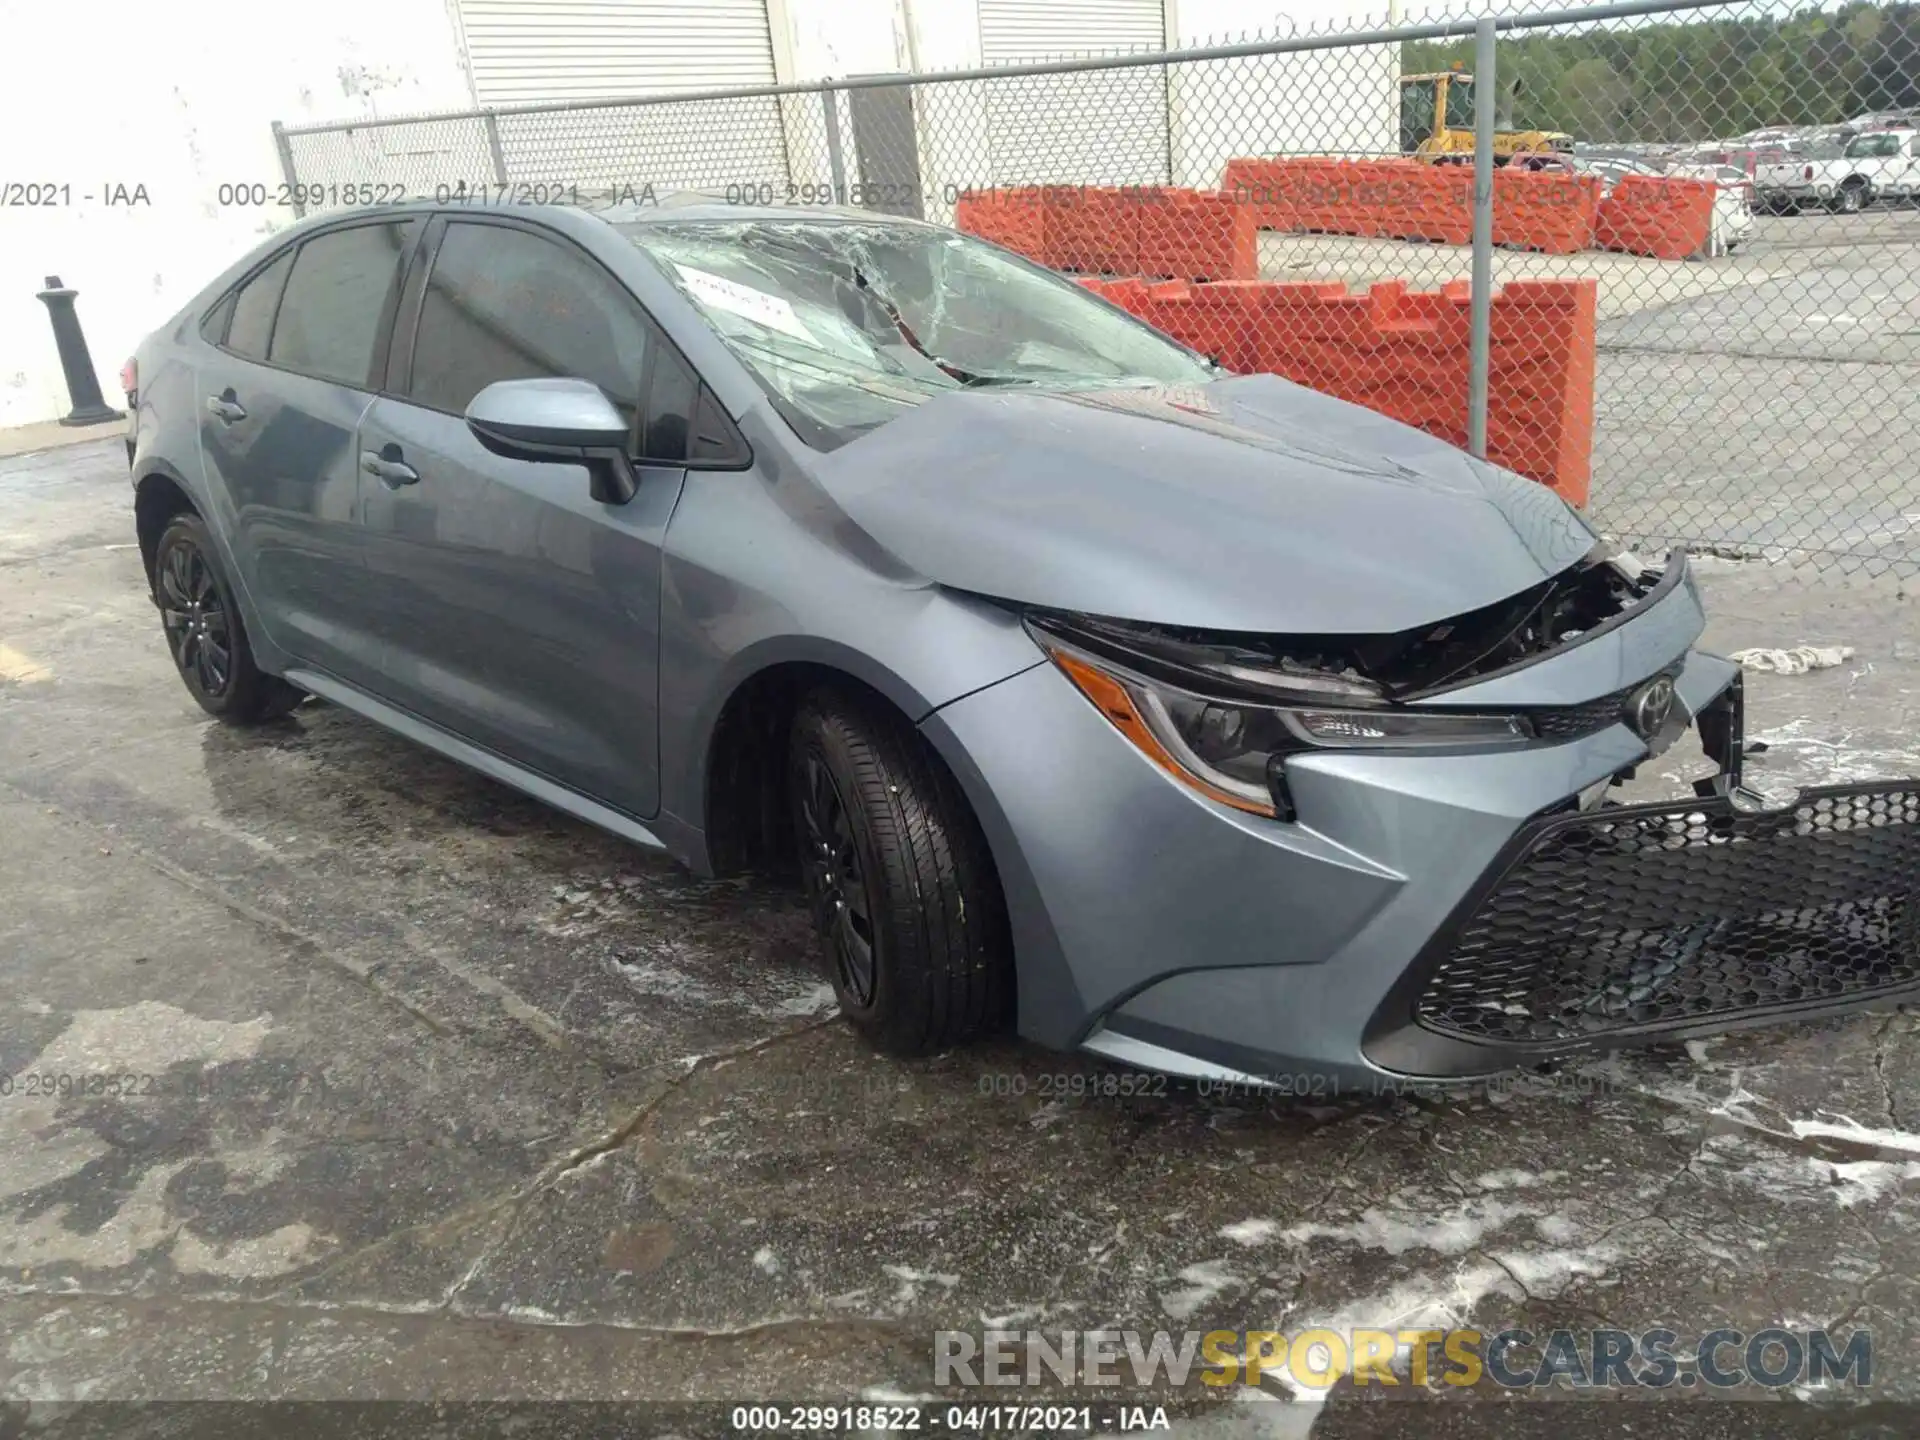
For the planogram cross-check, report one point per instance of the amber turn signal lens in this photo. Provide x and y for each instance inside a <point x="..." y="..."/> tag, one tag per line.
<point x="1113" y="700"/>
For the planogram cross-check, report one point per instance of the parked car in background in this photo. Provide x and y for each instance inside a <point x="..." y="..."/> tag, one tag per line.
<point x="1873" y="165"/>
<point x="1202" y="722"/>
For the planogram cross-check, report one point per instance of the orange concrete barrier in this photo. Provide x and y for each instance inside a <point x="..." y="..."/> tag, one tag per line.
<point x="1542" y="210"/>
<point x="1014" y="218"/>
<point x="1414" y="200"/>
<point x="1196" y="235"/>
<point x="1117" y="230"/>
<point x="1094" y="228"/>
<point x="1653" y="215"/>
<point x="1404" y="199"/>
<point x="1404" y="354"/>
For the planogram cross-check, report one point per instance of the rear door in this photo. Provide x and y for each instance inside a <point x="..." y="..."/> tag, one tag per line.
<point x="521" y="613"/>
<point x="298" y="353"/>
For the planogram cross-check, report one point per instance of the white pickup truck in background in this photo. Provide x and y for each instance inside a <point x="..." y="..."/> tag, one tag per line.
<point x="1876" y="165"/>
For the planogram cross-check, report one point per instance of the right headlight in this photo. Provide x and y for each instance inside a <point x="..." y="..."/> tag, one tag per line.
<point x="1231" y="749"/>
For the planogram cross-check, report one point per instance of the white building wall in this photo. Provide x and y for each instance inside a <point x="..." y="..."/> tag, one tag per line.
<point x="1316" y="102"/>
<point x="179" y="98"/>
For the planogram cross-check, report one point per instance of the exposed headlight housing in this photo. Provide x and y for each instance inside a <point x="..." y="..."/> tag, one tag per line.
<point x="1231" y="748"/>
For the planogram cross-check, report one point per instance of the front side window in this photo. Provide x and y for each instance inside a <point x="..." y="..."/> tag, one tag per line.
<point x="336" y="299"/>
<point x="849" y="324"/>
<point x="253" y="307"/>
<point x="506" y="304"/>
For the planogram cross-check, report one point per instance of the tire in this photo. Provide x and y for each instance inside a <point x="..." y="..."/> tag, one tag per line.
<point x="204" y="632"/>
<point x="1851" y="200"/>
<point x="897" y="873"/>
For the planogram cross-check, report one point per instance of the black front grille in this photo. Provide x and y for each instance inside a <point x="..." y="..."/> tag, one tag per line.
<point x="1644" y="919"/>
<point x="1570" y="722"/>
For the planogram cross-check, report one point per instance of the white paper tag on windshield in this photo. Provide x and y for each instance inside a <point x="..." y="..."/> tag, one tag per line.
<point x="771" y="311"/>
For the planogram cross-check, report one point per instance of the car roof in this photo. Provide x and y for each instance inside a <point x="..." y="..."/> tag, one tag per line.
<point x="703" y="210"/>
<point x="667" y="210"/>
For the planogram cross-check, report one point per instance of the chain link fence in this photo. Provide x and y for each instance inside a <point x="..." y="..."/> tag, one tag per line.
<point x="1662" y="257"/>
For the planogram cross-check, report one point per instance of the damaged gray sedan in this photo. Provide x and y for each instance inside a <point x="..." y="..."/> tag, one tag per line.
<point x="1201" y="722"/>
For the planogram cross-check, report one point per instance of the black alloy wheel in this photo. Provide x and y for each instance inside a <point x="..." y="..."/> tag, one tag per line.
<point x="206" y="634"/>
<point x="199" y="629"/>
<point x="836" y="881"/>
<point x="898" y="875"/>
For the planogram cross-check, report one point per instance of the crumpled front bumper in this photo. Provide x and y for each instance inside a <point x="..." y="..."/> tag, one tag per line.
<point x="1435" y="916"/>
<point x="1635" y="923"/>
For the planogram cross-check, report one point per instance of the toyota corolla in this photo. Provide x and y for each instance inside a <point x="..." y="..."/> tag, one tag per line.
<point x="1199" y="721"/>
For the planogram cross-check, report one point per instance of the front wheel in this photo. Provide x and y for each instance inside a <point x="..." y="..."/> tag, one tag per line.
<point x="897" y="872"/>
<point x="205" y="635"/>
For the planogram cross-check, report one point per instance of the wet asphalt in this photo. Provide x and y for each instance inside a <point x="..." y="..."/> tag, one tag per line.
<point x="383" y="1082"/>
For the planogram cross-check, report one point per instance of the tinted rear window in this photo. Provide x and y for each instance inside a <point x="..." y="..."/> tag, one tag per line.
<point x="339" y="290"/>
<point x="253" y="309"/>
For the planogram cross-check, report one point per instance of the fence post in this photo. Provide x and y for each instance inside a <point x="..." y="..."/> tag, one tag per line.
<point x="1481" y="316"/>
<point x="836" y="162"/>
<point x="287" y="172"/>
<point x="492" y="122"/>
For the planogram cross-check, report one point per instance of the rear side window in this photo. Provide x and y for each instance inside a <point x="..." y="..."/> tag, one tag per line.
<point x="337" y="296"/>
<point x="253" y="308"/>
<point x="506" y="304"/>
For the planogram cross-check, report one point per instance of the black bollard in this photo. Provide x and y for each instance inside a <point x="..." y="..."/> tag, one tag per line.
<point x="89" y="406"/>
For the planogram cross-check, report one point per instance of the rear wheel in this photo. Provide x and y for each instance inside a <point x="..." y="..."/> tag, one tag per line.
<point x="205" y="635"/>
<point x="1852" y="198"/>
<point x="902" y="888"/>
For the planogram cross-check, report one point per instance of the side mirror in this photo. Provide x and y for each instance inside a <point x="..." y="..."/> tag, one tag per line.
<point x="569" y="421"/>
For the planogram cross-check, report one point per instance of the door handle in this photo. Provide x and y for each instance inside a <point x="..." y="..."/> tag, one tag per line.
<point x="226" y="408"/>
<point x="393" y="473"/>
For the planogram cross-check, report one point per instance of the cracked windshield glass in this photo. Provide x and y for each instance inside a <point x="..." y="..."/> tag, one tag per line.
<point x="847" y="324"/>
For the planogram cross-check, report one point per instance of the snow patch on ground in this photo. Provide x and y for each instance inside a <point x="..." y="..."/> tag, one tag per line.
<point x="1844" y="1127"/>
<point x="908" y="1282"/>
<point x="1864" y="1181"/>
<point x="1838" y="760"/>
<point x="1422" y="1228"/>
<point x="1250" y="1232"/>
<point x="1443" y="1301"/>
<point x="1518" y="1179"/>
<point x="1205" y="1281"/>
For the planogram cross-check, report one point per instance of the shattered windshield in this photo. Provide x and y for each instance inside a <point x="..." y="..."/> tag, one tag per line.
<point x="848" y="325"/>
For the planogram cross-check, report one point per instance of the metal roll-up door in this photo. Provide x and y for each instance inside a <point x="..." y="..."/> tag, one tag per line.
<point x="1097" y="127"/>
<point x="539" y="51"/>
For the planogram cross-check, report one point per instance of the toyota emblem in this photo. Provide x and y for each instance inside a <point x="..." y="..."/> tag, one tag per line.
<point x="1650" y="705"/>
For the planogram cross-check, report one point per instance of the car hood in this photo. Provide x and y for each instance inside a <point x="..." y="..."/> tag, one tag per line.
<point x="1247" y="504"/>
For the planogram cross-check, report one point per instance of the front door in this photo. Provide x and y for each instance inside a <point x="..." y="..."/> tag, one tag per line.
<point x="521" y="613"/>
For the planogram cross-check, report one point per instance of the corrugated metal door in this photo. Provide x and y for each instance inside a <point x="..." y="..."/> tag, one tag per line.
<point x="525" y="51"/>
<point x="1097" y="127"/>
<point x="533" y="51"/>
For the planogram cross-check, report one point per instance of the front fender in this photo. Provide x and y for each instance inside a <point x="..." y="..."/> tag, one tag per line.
<point x="920" y="648"/>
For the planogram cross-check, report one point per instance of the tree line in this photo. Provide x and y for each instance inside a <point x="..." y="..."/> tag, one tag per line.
<point x="1700" y="79"/>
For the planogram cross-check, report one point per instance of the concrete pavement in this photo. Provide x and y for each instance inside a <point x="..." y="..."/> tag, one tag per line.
<point x="361" y="1076"/>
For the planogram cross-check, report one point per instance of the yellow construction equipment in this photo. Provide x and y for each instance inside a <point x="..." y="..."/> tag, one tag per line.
<point x="1436" y="122"/>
